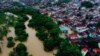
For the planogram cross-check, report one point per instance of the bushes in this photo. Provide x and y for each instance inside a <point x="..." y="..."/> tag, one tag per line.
<point x="54" y="32"/>
<point x="11" y="42"/>
<point x="47" y="30"/>
<point x="20" y="25"/>
<point x="50" y="25"/>
<point x="19" y="50"/>
<point x="20" y="28"/>
<point x="3" y="31"/>
<point x="48" y="45"/>
<point x="20" y="31"/>
<point x="3" y="18"/>
<point x="42" y="35"/>
<point x="21" y="35"/>
<point x="67" y="49"/>
<point x="22" y="18"/>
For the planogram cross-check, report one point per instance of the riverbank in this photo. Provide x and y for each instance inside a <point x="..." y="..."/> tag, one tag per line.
<point x="33" y="44"/>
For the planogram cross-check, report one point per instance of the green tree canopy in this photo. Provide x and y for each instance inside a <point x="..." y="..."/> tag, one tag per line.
<point x="67" y="49"/>
<point x="87" y="4"/>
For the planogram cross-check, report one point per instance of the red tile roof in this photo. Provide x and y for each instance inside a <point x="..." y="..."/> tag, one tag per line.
<point x="66" y="21"/>
<point x="73" y="36"/>
<point x="97" y="50"/>
<point x="84" y="49"/>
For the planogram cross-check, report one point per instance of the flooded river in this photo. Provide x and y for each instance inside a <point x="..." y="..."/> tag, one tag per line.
<point x="34" y="45"/>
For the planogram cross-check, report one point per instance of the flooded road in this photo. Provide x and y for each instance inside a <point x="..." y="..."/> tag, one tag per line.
<point x="34" y="45"/>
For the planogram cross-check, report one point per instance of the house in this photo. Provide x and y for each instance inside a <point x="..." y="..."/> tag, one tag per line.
<point x="81" y="29"/>
<point x="84" y="51"/>
<point x="66" y="21"/>
<point x="96" y="50"/>
<point x="73" y="36"/>
<point x="63" y="28"/>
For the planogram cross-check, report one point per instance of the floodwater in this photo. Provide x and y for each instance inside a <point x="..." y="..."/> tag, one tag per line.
<point x="3" y="43"/>
<point x="34" y="45"/>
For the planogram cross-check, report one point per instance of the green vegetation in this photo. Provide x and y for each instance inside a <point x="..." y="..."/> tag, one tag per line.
<point x="47" y="31"/>
<point x="19" y="50"/>
<point x="2" y="18"/>
<point x="42" y="35"/>
<point x="11" y="42"/>
<point x="3" y="25"/>
<point x="67" y="49"/>
<point x="87" y="4"/>
<point x="3" y="31"/>
<point x="20" y="31"/>
<point x="65" y="1"/>
<point x="98" y="24"/>
<point x="92" y="43"/>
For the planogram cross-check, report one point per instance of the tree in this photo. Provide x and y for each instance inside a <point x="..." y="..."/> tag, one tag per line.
<point x="19" y="50"/>
<point x="50" y="25"/>
<point x="10" y="43"/>
<point x="63" y="1"/>
<point x="23" y="36"/>
<point x="20" y="25"/>
<point x="48" y="45"/>
<point x="42" y="35"/>
<point x="92" y="43"/>
<point x="20" y="31"/>
<point x="54" y="32"/>
<point x="3" y="18"/>
<point x="87" y="4"/>
<point x="3" y="31"/>
<point x="98" y="24"/>
<point x="67" y="49"/>
<point x="20" y="47"/>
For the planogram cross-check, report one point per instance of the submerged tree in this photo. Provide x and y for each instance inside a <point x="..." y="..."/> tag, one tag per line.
<point x="19" y="50"/>
<point x="11" y="42"/>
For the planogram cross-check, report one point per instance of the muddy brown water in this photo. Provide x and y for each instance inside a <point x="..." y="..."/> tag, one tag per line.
<point x="34" y="45"/>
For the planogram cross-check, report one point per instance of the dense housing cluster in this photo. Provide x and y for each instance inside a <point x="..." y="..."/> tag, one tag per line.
<point x="81" y="17"/>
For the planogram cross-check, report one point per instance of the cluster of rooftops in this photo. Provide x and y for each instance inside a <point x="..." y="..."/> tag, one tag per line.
<point x="84" y="24"/>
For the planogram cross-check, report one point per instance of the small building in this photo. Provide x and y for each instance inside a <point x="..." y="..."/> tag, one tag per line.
<point x="97" y="50"/>
<point x="84" y="51"/>
<point x="63" y="28"/>
<point x="73" y="36"/>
